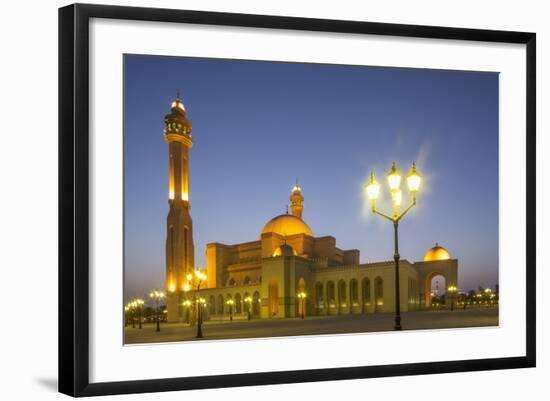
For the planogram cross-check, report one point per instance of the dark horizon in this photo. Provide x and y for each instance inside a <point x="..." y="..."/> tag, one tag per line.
<point x="259" y="126"/>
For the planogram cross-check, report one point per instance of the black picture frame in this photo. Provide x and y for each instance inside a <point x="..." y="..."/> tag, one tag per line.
<point x="74" y="198"/>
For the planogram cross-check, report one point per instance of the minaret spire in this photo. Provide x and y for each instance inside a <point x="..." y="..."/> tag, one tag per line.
<point x="180" y="250"/>
<point x="297" y="201"/>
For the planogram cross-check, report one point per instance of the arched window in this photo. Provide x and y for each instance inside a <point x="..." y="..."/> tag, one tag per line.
<point x="172" y="254"/>
<point x="185" y="238"/>
<point x="232" y="282"/>
<point x="246" y="280"/>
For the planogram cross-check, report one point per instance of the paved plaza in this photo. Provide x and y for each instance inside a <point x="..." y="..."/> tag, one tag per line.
<point x="432" y="319"/>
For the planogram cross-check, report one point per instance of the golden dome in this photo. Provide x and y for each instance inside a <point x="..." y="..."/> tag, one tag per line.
<point x="436" y="253"/>
<point x="287" y="224"/>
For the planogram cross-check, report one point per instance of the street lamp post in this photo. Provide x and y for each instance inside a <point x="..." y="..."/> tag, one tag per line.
<point x="157" y="295"/>
<point x="373" y="190"/>
<point x="230" y="303"/>
<point x="248" y="300"/>
<point x="302" y="297"/>
<point x="195" y="280"/>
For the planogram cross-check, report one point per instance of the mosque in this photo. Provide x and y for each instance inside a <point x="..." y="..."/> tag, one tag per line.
<point x="286" y="272"/>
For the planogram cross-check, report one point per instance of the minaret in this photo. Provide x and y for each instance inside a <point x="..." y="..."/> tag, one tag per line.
<point x="297" y="201"/>
<point x="179" y="226"/>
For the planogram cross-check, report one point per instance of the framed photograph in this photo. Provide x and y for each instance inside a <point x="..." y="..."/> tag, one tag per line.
<point x="250" y="199"/>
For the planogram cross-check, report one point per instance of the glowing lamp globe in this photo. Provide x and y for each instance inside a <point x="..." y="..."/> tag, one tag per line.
<point x="373" y="188"/>
<point x="397" y="197"/>
<point x="394" y="178"/>
<point x="414" y="179"/>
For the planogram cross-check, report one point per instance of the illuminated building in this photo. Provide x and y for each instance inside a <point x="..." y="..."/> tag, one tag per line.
<point x="287" y="268"/>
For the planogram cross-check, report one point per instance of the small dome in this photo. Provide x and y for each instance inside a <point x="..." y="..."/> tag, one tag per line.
<point x="284" y="250"/>
<point x="287" y="224"/>
<point x="436" y="253"/>
<point x="177" y="106"/>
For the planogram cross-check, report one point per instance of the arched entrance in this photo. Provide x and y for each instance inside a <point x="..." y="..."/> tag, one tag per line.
<point x="435" y="288"/>
<point x="273" y="298"/>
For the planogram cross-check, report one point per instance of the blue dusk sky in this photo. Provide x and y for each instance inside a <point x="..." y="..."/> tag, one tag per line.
<point x="259" y="126"/>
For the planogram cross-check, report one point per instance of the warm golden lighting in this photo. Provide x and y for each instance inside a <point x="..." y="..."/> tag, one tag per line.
<point x="394" y="178"/>
<point x="200" y="275"/>
<point x="397" y="197"/>
<point x="287" y="225"/>
<point x="436" y="253"/>
<point x="186" y="303"/>
<point x="279" y="252"/>
<point x="171" y="194"/>
<point x="172" y="286"/>
<point x="487" y="290"/>
<point x="373" y="188"/>
<point x="157" y="294"/>
<point x="189" y="277"/>
<point x="413" y="179"/>
<point x="186" y="287"/>
<point x="302" y="295"/>
<point x="184" y="196"/>
<point x="451" y="289"/>
<point x="248" y="299"/>
<point x="230" y="302"/>
<point x="177" y="104"/>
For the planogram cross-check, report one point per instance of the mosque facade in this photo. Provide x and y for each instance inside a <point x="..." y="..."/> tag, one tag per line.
<point x="286" y="272"/>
